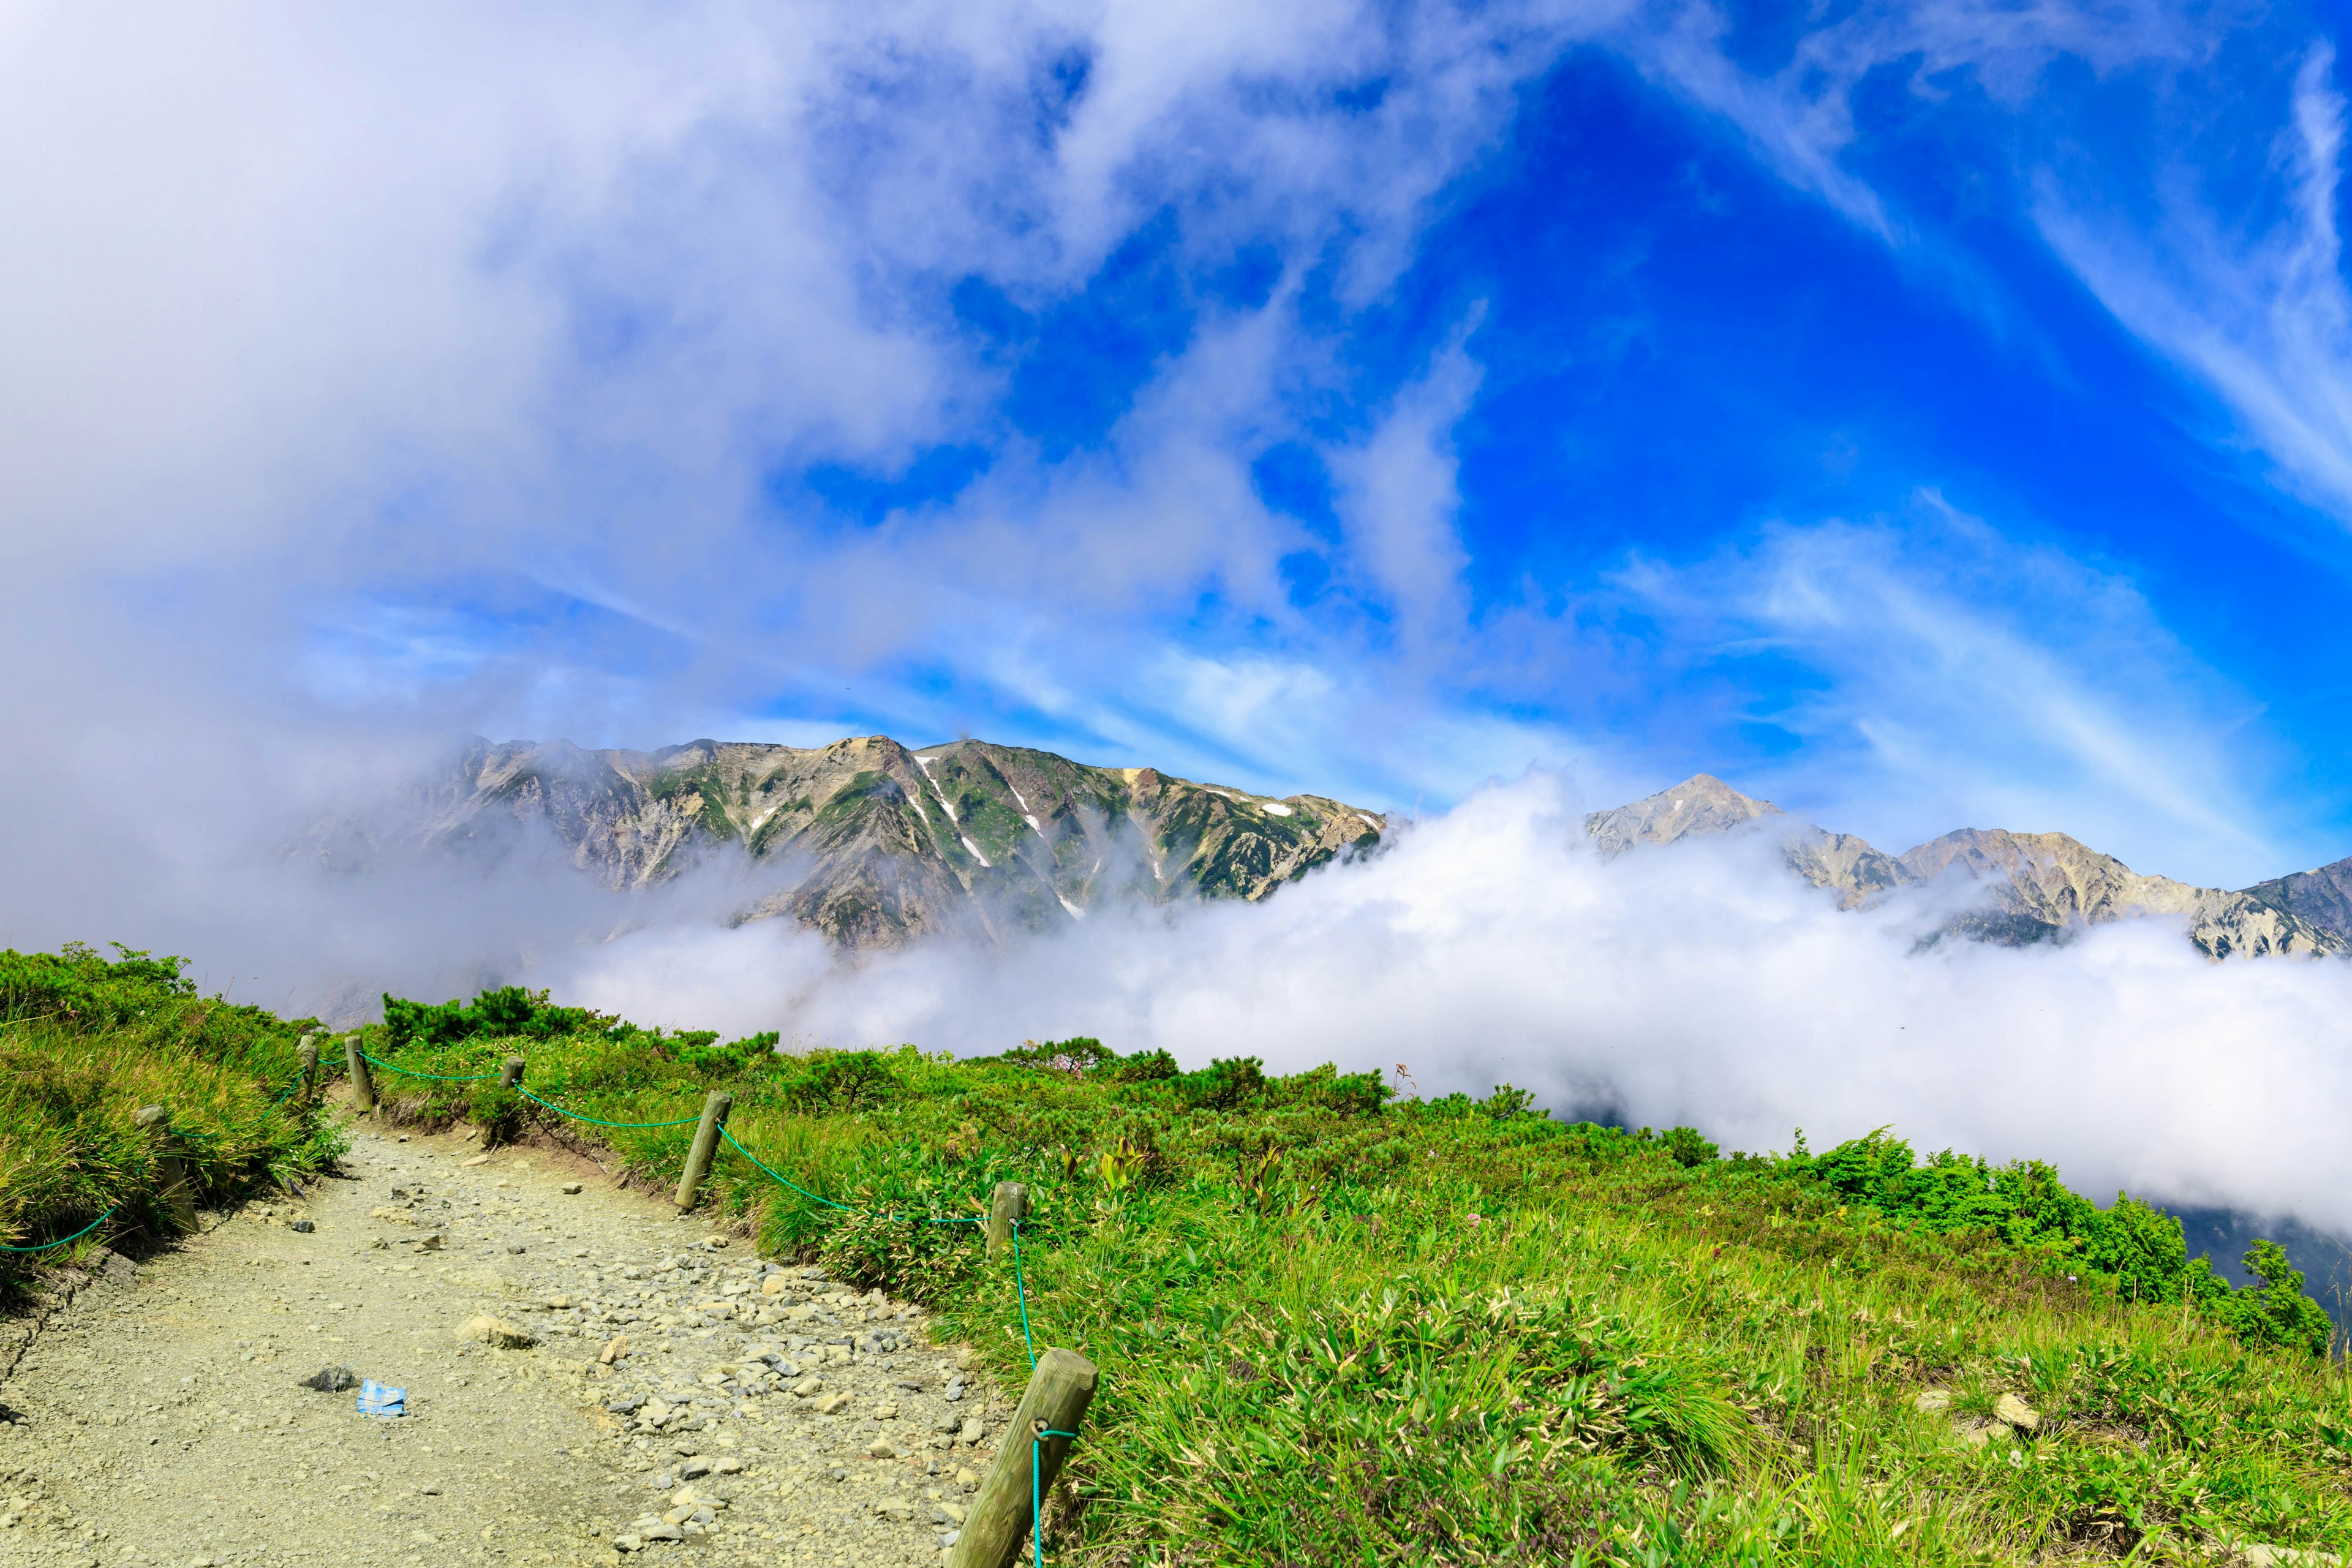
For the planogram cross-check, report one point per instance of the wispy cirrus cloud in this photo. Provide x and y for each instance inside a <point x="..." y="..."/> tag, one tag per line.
<point x="2260" y="314"/>
<point x="1939" y="675"/>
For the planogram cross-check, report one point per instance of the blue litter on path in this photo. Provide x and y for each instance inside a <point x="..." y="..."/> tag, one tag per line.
<point x="375" y="1399"/>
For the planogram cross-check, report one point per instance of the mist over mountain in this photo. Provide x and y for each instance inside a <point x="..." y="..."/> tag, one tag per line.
<point x="865" y="840"/>
<point x="2029" y="887"/>
<point x="874" y="843"/>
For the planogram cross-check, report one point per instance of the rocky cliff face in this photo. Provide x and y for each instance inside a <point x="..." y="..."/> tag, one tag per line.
<point x="877" y="844"/>
<point x="2322" y="898"/>
<point x="2037" y="886"/>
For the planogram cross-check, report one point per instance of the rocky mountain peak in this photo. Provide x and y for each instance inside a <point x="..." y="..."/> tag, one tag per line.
<point x="1700" y="804"/>
<point x="2038" y="886"/>
<point x="876" y="844"/>
<point x="2323" y="897"/>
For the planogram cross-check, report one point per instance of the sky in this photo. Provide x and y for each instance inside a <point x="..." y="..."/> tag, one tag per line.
<point x="1920" y="416"/>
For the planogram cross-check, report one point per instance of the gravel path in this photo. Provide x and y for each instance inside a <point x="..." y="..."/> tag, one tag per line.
<point x="754" y="1414"/>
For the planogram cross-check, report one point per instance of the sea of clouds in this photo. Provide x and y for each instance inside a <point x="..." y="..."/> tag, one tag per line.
<point x="1699" y="983"/>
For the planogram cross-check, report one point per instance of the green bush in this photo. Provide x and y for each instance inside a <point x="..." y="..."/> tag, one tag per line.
<point x="508" y="1012"/>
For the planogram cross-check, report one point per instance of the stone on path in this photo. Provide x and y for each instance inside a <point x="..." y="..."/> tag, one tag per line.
<point x="496" y="1331"/>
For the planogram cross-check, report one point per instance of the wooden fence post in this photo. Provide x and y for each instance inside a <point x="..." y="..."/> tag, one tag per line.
<point x="308" y="1052"/>
<point x="706" y="1147"/>
<point x="1056" y="1401"/>
<point x="363" y="1086"/>
<point x="510" y="1075"/>
<point x="1010" y="1206"/>
<point x="170" y="1168"/>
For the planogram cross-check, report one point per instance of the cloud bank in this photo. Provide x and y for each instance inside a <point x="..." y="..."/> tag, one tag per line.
<point x="1697" y="984"/>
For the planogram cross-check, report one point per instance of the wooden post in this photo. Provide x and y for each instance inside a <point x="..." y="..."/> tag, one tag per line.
<point x="308" y="1051"/>
<point x="1056" y="1401"/>
<point x="510" y="1076"/>
<point x="170" y="1169"/>
<point x="706" y="1146"/>
<point x="363" y="1086"/>
<point x="1011" y="1205"/>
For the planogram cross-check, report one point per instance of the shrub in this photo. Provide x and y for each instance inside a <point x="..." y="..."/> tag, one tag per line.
<point x="1225" y="1084"/>
<point x="918" y="1259"/>
<point x="508" y="1012"/>
<point x="749" y="1054"/>
<point x="1080" y="1053"/>
<point x="2275" y="1311"/>
<point x="844" y="1080"/>
<point x="1146" y="1067"/>
<point x="1688" y="1147"/>
<point x="1507" y="1101"/>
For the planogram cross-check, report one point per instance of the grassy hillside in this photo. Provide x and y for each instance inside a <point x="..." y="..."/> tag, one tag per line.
<point x="1338" y="1328"/>
<point x="85" y="1042"/>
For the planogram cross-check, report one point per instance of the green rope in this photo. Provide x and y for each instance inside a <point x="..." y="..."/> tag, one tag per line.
<point x="75" y="1236"/>
<point x="1036" y="1508"/>
<point x="624" y="1126"/>
<point x="1023" y="1291"/>
<point x="820" y="1197"/>
<point x="436" y="1076"/>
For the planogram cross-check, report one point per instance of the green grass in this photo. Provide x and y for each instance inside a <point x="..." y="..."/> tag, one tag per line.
<point x="1338" y="1330"/>
<point x="1335" y="1329"/>
<point x="85" y="1043"/>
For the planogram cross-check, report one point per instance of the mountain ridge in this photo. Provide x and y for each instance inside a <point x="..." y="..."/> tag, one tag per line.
<point x="2041" y="885"/>
<point x="878" y="843"/>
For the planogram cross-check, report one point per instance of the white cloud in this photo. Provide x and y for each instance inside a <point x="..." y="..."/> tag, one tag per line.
<point x="1699" y="984"/>
<point x="1947" y="677"/>
<point x="1799" y="117"/>
<point x="2264" y="319"/>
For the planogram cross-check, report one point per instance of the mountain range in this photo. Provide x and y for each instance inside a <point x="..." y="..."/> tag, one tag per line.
<point x="2035" y="887"/>
<point x="877" y="844"/>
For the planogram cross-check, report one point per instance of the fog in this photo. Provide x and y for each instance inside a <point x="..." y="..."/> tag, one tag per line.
<point x="1699" y="983"/>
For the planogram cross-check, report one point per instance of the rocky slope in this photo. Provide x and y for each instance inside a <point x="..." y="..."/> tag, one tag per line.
<point x="875" y="845"/>
<point x="2323" y="898"/>
<point x="2035" y="886"/>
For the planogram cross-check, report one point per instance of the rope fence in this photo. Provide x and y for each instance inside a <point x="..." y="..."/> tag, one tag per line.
<point x="49" y="1245"/>
<point x="989" y="1536"/>
<point x="300" y="1077"/>
<point x="623" y="1126"/>
<point x="1059" y="1388"/>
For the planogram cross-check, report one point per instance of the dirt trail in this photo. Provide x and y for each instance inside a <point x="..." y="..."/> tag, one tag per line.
<point x="759" y="1414"/>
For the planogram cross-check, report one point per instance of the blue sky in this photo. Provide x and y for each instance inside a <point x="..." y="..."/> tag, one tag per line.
<point x="1921" y="415"/>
